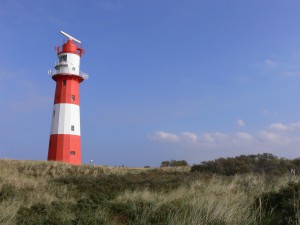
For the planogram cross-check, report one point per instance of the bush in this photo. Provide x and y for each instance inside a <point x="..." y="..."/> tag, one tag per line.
<point x="173" y="163"/>
<point x="282" y="207"/>
<point x="88" y="213"/>
<point x="33" y="215"/>
<point x="106" y="187"/>
<point x="260" y="163"/>
<point x="8" y="192"/>
<point x="60" y="213"/>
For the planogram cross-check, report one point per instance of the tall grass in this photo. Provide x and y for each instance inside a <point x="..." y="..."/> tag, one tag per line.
<point x="218" y="200"/>
<point x="37" y="192"/>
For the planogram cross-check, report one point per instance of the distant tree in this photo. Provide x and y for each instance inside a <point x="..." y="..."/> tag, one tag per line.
<point x="173" y="163"/>
<point x="165" y="164"/>
<point x="260" y="163"/>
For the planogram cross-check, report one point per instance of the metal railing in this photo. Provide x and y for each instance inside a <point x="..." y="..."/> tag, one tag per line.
<point x="66" y="71"/>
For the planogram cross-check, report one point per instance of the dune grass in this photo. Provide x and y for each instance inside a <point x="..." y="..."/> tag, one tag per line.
<point x="38" y="192"/>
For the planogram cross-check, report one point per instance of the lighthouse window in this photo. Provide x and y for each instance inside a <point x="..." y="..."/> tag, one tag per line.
<point x="72" y="128"/>
<point x="53" y="113"/>
<point x="62" y="58"/>
<point x="72" y="152"/>
<point x="64" y="82"/>
<point x="73" y="98"/>
<point x="73" y="68"/>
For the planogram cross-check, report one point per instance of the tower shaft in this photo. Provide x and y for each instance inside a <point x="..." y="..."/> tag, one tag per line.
<point x="65" y="140"/>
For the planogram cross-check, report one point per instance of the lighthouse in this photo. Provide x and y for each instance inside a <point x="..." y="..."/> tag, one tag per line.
<point x="65" y="140"/>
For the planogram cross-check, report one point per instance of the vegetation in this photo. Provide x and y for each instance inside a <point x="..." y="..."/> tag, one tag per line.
<point x="282" y="207"/>
<point x="260" y="163"/>
<point x="56" y="193"/>
<point x="174" y="163"/>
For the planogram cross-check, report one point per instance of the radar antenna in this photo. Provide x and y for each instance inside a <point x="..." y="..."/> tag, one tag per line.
<point x="70" y="37"/>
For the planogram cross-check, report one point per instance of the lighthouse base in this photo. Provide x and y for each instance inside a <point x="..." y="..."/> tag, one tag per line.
<point x="65" y="148"/>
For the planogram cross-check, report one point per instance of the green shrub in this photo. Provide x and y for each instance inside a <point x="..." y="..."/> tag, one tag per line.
<point x="34" y="215"/>
<point x="174" y="163"/>
<point x="54" y="214"/>
<point x="260" y="163"/>
<point x="282" y="207"/>
<point x="106" y="187"/>
<point x="86" y="212"/>
<point x="8" y="192"/>
<point x="60" y="213"/>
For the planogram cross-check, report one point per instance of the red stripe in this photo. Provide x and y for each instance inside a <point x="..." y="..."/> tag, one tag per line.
<point x="66" y="148"/>
<point x="67" y="89"/>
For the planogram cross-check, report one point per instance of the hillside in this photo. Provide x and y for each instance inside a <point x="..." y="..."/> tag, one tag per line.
<point x="36" y="192"/>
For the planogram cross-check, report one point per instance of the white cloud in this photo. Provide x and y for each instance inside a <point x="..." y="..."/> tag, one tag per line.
<point x="277" y="138"/>
<point x="170" y="137"/>
<point x="241" y="123"/>
<point x="213" y="137"/>
<point x="164" y="136"/>
<point x="189" y="136"/>
<point x="268" y="136"/>
<point x="294" y="126"/>
<point x="278" y="127"/>
<point x="285" y="127"/>
<point x="244" y="136"/>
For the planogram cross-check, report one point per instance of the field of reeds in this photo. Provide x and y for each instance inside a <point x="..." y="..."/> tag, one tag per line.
<point x="36" y="192"/>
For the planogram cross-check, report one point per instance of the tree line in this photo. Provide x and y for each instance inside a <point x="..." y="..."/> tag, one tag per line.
<point x="173" y="163"/>
<point x="259" y="163"/>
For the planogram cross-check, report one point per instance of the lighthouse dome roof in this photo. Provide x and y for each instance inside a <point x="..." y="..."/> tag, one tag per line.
<point x="70" y="47"/>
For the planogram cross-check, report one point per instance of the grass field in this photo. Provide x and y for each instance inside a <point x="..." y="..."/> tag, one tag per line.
<point x="37" y="192"/>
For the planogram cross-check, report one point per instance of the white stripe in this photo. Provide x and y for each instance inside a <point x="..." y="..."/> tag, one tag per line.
<point x="64" y="116"/>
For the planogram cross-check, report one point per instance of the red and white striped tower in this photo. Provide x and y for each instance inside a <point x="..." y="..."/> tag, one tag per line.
<point x="65" y="141"/>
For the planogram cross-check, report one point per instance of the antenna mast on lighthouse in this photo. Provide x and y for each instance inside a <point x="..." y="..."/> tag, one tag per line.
<point x="65" y="140"/>
<point x="70" y="37"/>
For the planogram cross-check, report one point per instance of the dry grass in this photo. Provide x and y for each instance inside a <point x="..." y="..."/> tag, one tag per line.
<point x="32" y="178"/>
<point x="209" y="200"/>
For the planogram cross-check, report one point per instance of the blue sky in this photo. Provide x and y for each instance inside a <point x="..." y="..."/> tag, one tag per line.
<point x="180" y="79"/>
